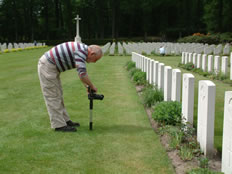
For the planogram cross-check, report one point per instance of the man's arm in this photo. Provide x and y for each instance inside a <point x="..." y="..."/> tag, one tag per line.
<point x="86" y="81"/>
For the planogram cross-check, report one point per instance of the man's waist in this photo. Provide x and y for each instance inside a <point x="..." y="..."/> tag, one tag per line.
<point x="49" y="59"/>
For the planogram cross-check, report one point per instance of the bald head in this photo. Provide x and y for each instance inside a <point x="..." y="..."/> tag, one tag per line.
<point x="96" y="49"/>
<point x="94" y="53"/>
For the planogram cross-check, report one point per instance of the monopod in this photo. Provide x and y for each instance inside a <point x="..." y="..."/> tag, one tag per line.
<point x="92" y="96"/>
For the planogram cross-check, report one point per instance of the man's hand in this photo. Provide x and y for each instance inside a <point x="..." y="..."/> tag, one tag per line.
<point x="93" y="89"/>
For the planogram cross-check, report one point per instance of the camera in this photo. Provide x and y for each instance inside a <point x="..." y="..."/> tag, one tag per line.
<point x="93" y="96"/>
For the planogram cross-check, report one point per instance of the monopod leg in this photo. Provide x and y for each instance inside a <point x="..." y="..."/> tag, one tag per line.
<point x="90" y="115"/>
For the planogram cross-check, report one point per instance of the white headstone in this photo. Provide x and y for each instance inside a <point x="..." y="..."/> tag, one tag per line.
<point x="167" y="83"/>
<point x="188" y="97"/>
<point x="227" y="136"/>
<point x="224" y="65"/>
<point x="161" y="76"/>
<point x="198" y="60"/>
<point x="143" y="64"/>
<point x="10" y="46"/>
<point x="186" y="58"/>
<point x="112" y="48"/>
<point x="226" y="50"/>
<point x="151" y="71"/>
<point x="210" y="63"/>
<point x="216" y="64"/>
<point x="120" y="49"/>
<point x="231" y="66"/>
<point x="195" y="59"/>
<point x="218" y="49"/>
<point x="16" y="46"/>
<point x="182" y="57"/>
<point x="204" y="58"/>
<point x="190" y="57"/>
<point x="205" y="116"/>
<point x="176" y="85"/>
<point x="155" y="73"/>
<point x="148" y="69"/>
<point x="4" y="46"/>
<point x="140" y="62"/>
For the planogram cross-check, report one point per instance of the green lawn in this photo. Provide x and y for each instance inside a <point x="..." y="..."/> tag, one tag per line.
<point x="122" y="141"/>
<point x="220" y="94"/>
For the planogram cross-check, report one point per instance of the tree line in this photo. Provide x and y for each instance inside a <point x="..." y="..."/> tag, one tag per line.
<point x="28" y="20"/>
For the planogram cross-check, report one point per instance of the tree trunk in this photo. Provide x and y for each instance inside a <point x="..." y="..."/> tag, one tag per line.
<point x="113" y="5"/>
<point x="15" y="20"/>
<point x="220" y="16"/>
<point x="31" y="20"/>
<point x="57" y="12"/>
<point x="46" y="16"/>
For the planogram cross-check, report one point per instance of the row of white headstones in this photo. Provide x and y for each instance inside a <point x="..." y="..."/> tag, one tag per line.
<point x="209" y="63"/>
<point x="10" y="46"/>
<point x="170" y="48"/>
<point x="169" y="80"/>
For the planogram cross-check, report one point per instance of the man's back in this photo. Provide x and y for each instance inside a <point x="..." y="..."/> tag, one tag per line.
<point x="66" y="55"/>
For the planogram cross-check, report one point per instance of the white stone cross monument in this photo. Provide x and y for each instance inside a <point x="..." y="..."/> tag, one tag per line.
<point x="77" y="38"/>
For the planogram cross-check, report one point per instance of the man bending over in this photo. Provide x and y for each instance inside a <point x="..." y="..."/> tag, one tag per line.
<point x="60" y="58"/>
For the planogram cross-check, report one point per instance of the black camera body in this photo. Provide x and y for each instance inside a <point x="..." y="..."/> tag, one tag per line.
<point x="93" y="96"/>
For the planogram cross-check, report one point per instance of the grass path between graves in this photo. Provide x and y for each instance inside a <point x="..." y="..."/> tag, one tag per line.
<point x="122" y="141"/>
<point x="221" y="87"/>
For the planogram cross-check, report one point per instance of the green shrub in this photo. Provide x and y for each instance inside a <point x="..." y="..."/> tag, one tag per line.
<point x="133" y="71"/>
<point x="197" y="70"/>
<point x="177" y="137"/>
<point x="204" y="162"/>
<point x="6" y="51"/>
<point x="215" y="38"/>
<point x="168" y="113"/>
<point x="180" y="65"/>
<point x="203" y="171"/>
<point x="226" y="37"/>
<point x="130" y="65"/>
<point x="139" y="78"/>
<point x="189" y="66"/>
<point x="186" y="154"/>
<point x="151" y="96"/>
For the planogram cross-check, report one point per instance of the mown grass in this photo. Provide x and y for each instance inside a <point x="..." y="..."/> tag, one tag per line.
<point x="122" y="140"/>
<point x="221" y="87"/>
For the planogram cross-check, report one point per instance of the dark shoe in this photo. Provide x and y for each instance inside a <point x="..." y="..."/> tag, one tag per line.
<point x="70" y="123"/>
<point x="66" y="129"/>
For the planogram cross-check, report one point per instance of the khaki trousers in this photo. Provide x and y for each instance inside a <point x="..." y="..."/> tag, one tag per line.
<point x="51" y="87"/>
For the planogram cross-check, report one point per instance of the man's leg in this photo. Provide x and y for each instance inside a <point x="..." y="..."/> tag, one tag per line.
<point x="49" y="81"/>
<point x="65" y="113"/>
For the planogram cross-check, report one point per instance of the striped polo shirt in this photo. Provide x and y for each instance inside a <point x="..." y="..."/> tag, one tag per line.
<point x="69" y="55"/>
